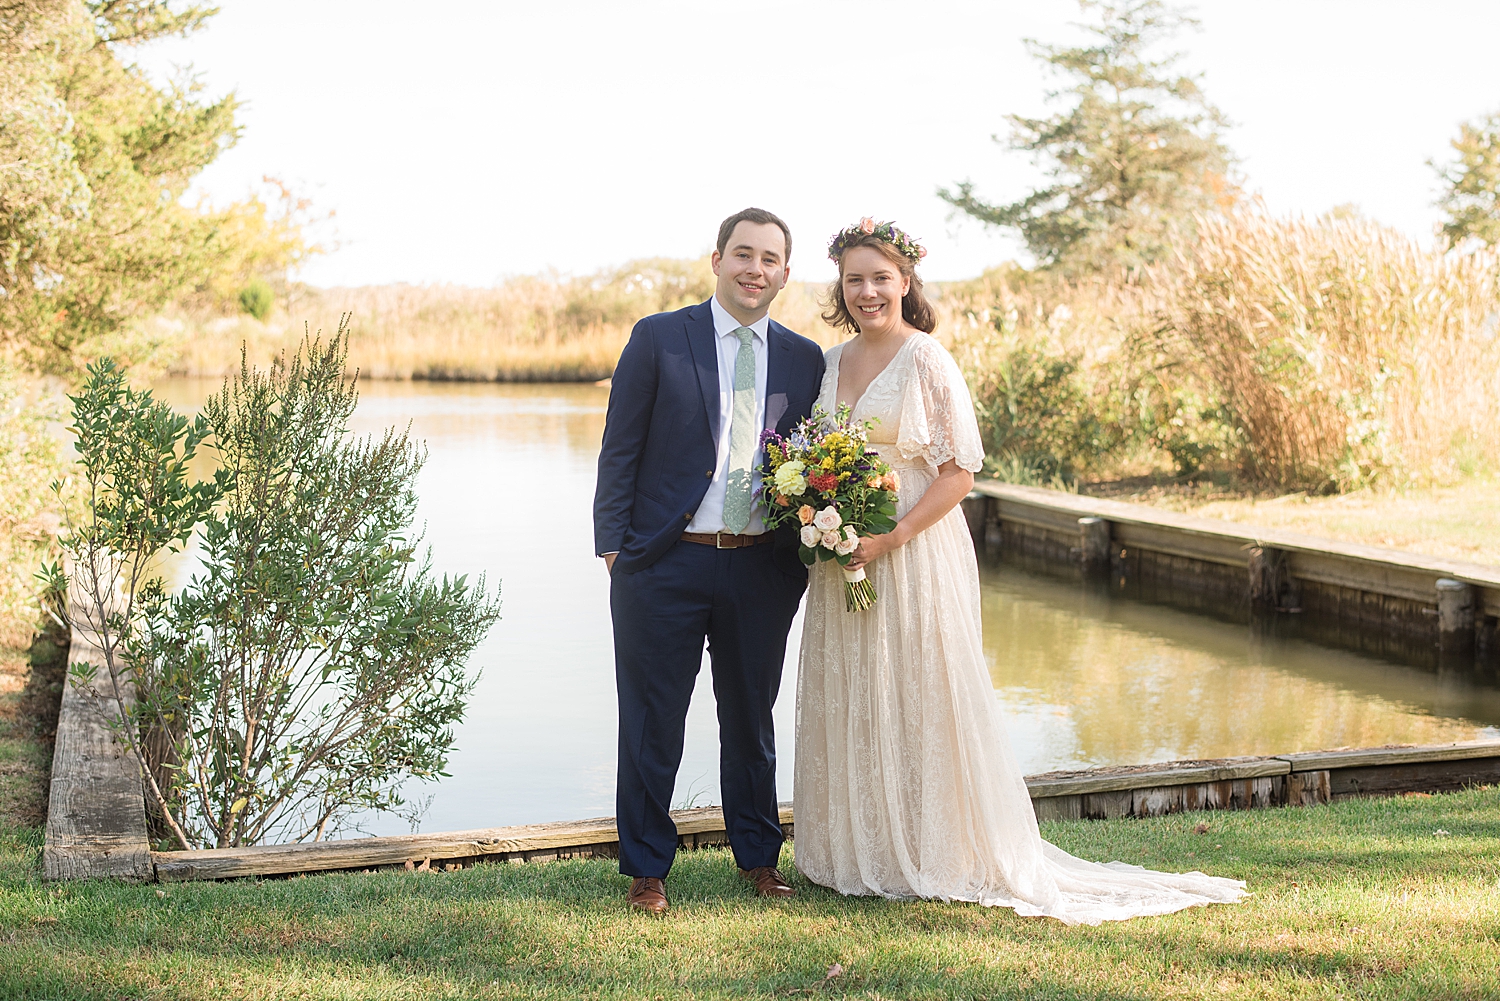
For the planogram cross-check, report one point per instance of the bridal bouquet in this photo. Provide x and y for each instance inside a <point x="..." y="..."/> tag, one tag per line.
<point x="823" y="479"/>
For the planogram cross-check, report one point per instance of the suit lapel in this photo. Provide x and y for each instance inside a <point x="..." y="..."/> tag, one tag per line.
<point x="778" y="373"/>
<point x="704" y="346"/>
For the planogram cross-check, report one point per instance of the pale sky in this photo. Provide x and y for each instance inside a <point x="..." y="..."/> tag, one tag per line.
<point x="464" y="142"/>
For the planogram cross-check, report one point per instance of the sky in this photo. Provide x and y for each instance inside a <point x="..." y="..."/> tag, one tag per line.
<point x="466" y="142"/>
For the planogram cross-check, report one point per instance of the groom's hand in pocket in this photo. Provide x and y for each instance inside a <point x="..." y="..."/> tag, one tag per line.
<point x="609" y="563"/>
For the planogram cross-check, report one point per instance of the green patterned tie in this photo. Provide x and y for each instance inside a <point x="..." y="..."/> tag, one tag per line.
<point x="742" y="434"/>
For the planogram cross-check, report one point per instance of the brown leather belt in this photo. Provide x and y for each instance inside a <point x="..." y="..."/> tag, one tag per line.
<point x="723" y="540"/>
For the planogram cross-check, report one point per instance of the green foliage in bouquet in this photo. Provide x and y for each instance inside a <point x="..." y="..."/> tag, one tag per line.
<point x="824" y="480"/>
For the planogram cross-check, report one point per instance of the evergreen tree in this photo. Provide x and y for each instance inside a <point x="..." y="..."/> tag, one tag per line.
<point x="94" y="159"/>
<point x="1472" y="196"/>
<point x="1137" y="153"/>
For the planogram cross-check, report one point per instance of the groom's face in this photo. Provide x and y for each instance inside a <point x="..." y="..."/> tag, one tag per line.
<point x="753" y="267"/>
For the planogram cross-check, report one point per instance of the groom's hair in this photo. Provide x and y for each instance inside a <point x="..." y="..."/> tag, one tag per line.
<point x="726" y="228"/>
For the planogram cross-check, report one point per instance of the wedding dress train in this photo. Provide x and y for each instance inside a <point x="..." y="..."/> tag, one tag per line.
<point x="905" y="783"/>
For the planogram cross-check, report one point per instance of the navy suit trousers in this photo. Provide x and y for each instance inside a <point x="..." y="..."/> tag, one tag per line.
<point x="743" y="605"/>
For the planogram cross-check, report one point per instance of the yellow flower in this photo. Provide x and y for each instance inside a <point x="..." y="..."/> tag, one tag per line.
<point x="789" y="479"/>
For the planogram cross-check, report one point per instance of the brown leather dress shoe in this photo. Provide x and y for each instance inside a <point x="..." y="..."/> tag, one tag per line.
<point x="769" y="882"/>
<point x="648" y="894"/>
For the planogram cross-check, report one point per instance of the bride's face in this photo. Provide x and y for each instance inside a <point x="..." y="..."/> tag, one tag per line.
<point x="873" y="288"/>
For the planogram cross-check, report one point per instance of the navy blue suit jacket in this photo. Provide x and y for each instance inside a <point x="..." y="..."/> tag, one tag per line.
<point x="661" y="433"/>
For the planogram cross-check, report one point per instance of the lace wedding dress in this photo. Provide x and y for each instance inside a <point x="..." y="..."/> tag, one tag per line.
<point x="905" y="784"/>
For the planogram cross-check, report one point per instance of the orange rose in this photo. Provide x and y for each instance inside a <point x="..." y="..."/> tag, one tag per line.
<point x="805" y="514"/>
<point x="867" y="225"/>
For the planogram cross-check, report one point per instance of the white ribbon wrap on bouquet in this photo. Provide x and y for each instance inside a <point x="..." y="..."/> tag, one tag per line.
<point x="854" y="576"/>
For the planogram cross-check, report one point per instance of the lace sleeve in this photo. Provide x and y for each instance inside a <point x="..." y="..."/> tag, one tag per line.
<point x="937" y="413"/>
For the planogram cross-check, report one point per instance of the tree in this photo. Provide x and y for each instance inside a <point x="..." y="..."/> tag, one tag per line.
<point x="94" y="161"/>
<point x="134" y="453"/>
<point x="314" y="663"/>
<point x="1135" y="156"/>
<point x="1471" y="198"/>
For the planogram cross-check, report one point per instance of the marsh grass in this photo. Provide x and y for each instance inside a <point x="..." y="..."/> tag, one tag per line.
<point x="1325" y="355"/>
<point x="538" y="329"/>
<point x="1345" y="352"/>
<point x="1370" y="899"/>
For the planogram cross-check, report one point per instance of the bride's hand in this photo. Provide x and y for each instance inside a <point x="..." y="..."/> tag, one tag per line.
<point x="869" y="548"/>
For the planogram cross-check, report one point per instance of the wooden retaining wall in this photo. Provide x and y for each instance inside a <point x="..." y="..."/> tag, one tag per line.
<point x="1299" y="779"/>
<point x="1145" y="791"/>
<point x="595" y="838"/>
<point x="1426" y="610"/>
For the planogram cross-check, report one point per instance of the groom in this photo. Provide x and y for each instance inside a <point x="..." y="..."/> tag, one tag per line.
<point x="676" y="520"/>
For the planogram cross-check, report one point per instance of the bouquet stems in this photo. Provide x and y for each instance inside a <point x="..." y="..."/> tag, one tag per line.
<point x="859" y="593"/>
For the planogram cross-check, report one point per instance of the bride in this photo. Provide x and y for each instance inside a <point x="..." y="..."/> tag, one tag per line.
<point x="905" y="784"/>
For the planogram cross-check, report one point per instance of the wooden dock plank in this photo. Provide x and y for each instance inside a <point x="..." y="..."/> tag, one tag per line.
<point x="1152" y="776"/>
<point x="368" y="853"/>
<point x="96" y="816"/>
<point x="1369" y="757"/>
<point x="1415" y="776"/>
<point x="1175" y="541"/>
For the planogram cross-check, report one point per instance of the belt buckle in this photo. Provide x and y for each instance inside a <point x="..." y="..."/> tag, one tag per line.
<point x="719" y="541"/>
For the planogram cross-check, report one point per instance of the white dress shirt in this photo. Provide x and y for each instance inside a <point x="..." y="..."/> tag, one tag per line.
<point x="710" y="514"/>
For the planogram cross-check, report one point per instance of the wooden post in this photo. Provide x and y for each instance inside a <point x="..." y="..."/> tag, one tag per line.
<point x="1455" y="601"/>
<point x="1271" y="585"/>
<point x="96" y="814"/>
<point x="994" y="537"/>
<point x="974" y="507"/>
<point x="1307" y="788"/>
<point x="1094" y="543"/>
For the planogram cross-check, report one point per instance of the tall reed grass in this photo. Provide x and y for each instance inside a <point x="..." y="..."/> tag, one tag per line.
<point x="1324" y="355"/>
<point x="534" y="329"/>
<point x="1343" y="351"/>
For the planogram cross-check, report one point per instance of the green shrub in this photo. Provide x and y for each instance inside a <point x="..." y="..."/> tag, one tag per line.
<point x="1048" y="410"/>
<point x="257" y="299"/>
<point x="1034" y="414"/>
<point x="314" y="664"/>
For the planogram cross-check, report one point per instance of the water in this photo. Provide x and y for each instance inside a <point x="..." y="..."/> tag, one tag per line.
<point x="1083" y="679"/>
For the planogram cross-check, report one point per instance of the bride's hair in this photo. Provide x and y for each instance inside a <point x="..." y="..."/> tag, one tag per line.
<point x="915" y="309"/>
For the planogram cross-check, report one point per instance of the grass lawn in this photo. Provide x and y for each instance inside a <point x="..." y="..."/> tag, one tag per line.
<point x="1459" y="522"/>
<point x="1377" y="899"/>
<point x="1368" y="899"/>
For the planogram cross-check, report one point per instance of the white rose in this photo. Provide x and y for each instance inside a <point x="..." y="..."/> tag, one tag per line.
<point x="789" y="478"/>
<point x="810" y="536"/>
<point x="850" y="533"/>
<point x="846" y="547"/>
<point x="830" y="540"/>
<point x="828" y="519"/>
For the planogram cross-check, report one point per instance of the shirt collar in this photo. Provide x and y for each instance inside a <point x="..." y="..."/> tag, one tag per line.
<point x="724" y="324"/>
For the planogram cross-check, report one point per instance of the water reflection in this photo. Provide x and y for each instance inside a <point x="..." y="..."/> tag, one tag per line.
<point x="1092" y="680"/>
<point x="1083" y="679"/>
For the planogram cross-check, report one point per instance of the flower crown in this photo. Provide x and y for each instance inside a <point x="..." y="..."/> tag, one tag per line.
<point x="886" y="231"/>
